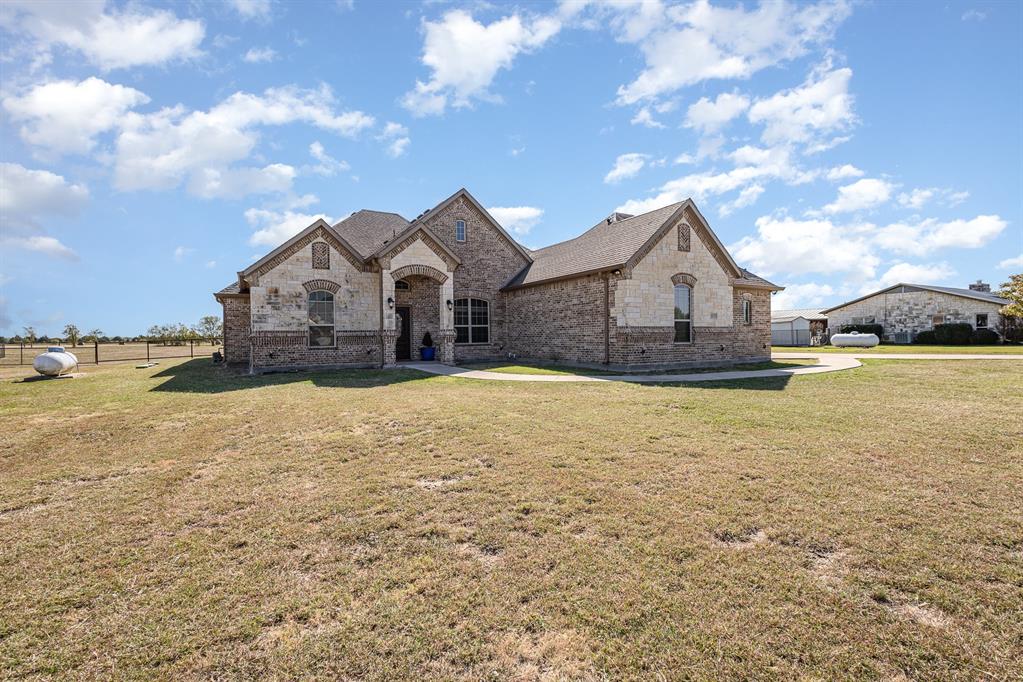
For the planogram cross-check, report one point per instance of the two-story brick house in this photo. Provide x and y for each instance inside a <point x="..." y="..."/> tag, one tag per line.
<point x="658" y="289"/>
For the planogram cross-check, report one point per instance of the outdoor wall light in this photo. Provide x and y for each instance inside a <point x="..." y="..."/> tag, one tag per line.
<point x="451" y="304"/>
<point x="390" y="302"/>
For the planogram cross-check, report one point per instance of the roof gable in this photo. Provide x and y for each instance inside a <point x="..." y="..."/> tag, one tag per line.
<point x="412" y="233"/>
<point x="320" y="229"/>
<point x="464" y="193"/>
<point x="985" y="296"/>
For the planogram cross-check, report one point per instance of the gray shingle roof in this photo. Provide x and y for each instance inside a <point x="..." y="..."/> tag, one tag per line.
<point x="232" y="288"/>
<point x="757" y="280"/>
<point x="605" y="245"/>
<point x="367" y="231"/>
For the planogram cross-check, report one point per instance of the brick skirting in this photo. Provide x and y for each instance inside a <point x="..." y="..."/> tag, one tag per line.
<point x="287" y="349"/>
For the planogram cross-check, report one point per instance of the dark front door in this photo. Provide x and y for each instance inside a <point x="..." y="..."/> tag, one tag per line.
<point x="403" y="320"/>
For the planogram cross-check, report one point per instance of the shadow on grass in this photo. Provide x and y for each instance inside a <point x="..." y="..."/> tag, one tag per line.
<point x="201" y="376"/>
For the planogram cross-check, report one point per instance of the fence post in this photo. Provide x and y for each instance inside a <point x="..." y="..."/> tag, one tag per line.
<point x="147" y="350"/>
<point x="95" y="346"/>
<point x="191" y="349"/>
<point x="21" y="353"/>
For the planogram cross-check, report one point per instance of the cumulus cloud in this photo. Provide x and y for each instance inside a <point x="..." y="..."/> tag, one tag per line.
<point x="686" y="44"/>
<point x="28" y="197"/>
<point x="1016" y="262"/>
<point x="274" y="227"/>
<point x="396" y="139"/>
<point x="798" y="247"/>
<point x="644" y="117"/>
<point x="66" y="116"/>
<point x="926" y="236"/>
<point x="864" y="194"/>
<point x="709" y="116"/>
<point x="180" y="252"/>
<point x="910" y="273"/>
<point x="626" y="166"/>
<point x="465" y="55"/>
<point x="518" y="220"/>
<point x="110" y="38"/>
<point x="810" y="114"/>
<point x="327" y="165"/>
<point x="162" y="149"/>
<point x="260" y="55"/>
<point x="807" y="295"/>
<point x="251" y="9"/>
<point x="49" y="246"/>
<point x="844" y="172"/>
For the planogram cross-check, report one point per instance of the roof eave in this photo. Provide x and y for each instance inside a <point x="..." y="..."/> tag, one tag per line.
<point x="562" y="278"/>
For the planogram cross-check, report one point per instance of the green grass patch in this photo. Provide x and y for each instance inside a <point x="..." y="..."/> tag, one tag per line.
<point x="1000" y="349"/>
<point x="512" y="368"/>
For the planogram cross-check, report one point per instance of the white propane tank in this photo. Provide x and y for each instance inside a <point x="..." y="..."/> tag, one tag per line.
<point x="55" y="361"/>
<point x="855" y="339"/>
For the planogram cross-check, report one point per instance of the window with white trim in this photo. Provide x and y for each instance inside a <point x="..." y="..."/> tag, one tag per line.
<point x="321" y="319"/>
<point x="459" y="230"/>
<point x="472" y="320"/>
<point x="981" y="321"/>
<point x="868" y="319"/>
<point x="683" y="313"/>
<point x="747" y="311"/>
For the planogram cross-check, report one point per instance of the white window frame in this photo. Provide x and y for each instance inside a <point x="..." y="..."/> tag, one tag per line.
<point x="459" y="230"/>
<point x="683" y="317"/>
<point x="747" y="311"/>
<point x="976" y="321"/>
<point x="471" y="303"/>
<point x="309" y="326"/>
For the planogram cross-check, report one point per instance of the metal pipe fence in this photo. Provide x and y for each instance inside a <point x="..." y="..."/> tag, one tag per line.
<point x="95" y="352"/>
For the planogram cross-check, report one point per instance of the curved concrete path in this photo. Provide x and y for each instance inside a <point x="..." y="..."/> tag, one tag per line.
<point x="828" y="363"/>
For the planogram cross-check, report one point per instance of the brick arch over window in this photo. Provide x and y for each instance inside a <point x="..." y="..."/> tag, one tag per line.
<point x="747" y="296"/>
<point x="423" y="270"/>
<point x="683" y="278"/>
<point x="321" y="285"/>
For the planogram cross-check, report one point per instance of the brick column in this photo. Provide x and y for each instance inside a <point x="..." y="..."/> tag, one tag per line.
<point x="390" y="337"/>
<point x="446" y="347"/>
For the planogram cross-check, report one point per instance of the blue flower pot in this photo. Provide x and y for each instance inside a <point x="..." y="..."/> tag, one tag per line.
<point x="427" y="353"/>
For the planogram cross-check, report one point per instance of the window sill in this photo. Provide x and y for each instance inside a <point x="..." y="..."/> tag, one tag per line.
<point x="476" y="343"/>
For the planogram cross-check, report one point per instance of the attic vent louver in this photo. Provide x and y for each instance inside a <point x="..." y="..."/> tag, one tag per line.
<point x="616" y="217"/>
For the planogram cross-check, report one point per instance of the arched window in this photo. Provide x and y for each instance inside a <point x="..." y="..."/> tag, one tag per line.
<point x="747" y="311"/>
<point x="459" y="230"/>
<point x="321" y="319"/>
<point x="401" y="285"/>
<point x="683" y="313"/>
<point x="472" y="320"/>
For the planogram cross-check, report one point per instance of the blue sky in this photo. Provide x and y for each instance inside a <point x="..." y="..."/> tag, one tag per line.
<point x="151" y="150"/>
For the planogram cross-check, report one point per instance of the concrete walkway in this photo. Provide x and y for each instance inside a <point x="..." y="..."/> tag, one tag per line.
<point x="828" y="363"/>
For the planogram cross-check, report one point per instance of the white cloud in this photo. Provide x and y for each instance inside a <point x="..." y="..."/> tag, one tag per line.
<point x="910" y="273"/>
<point x="844" y="172"/>
<point x="626" y="166"/>
<point x="687" y="44"/>
<point x="810" y="114"/>
<point x="260" y="55"/>
<point x="28" y="197"/>
<point x="66" y="116"/>
<point x="518" y="220"/>
<point x="956" y="198"/>
<point x="709" y="116"/>
<point x="164" y="148"/>
<point x="747" y="197"/>
<point x="252" y="9"/>
<point x="930" y="235"/>
<point x="1016" y="262"/>
<point x="916" y="198"/>
<point x="974" y="15"/>
<point x="808" y="295"/>
<point x="276" y="227"/>
<point x="50" y="246"/>
<point x="115" y="39"/>
<point x="861" y="195"/>
<point x="180" y="253"/>
<point x="797" y="247"/>
<point x="328" y="166"/>
<point x="465" y="55"/>
<point x="397" y="139"/>
<point x="753" y="167"/>
<point x="210" y="264"/>
<point x="643" y="117"/>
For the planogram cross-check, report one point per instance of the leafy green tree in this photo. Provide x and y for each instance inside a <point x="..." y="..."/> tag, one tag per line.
<point x="210" y="328"/>
<point x="1012" y="314"/>
<point x="30" y="335"/>
<point x="71" y="334"/>
<point x="94" y="335"/>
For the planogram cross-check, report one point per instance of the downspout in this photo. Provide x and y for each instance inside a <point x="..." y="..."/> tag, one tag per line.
<point x="607" y="319"/>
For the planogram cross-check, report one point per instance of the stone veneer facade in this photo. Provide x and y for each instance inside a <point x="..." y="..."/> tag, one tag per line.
<point x="914" y="311"/>
<point x="623" y="318"/>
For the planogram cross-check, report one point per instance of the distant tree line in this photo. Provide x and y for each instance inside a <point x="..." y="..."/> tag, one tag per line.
<point x="209" y="328"/>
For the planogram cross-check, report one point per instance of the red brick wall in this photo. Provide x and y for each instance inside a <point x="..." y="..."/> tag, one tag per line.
<point x="236" y="330"/>
<point x="488" y="262"/>
<point x="289" y="349"/>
